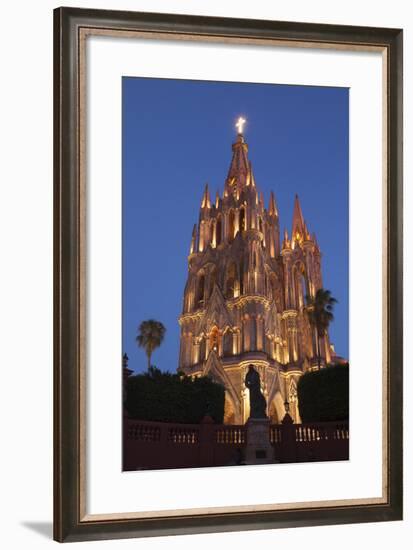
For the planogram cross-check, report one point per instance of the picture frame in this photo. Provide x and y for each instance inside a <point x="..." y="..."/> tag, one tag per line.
<point x="72" y="522"/>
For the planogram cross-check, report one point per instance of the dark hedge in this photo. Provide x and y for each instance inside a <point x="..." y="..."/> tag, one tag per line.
<point x="324" y="395"/>
<point x="166" y="397"/>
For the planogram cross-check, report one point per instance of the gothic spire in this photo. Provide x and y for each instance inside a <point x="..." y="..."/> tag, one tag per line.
<point x="239" y="171"/>
<point x="206" y="200"/>
<point x="298" y="229"/>
<point x="272" y="209"/>
<point x="193" y="240"/>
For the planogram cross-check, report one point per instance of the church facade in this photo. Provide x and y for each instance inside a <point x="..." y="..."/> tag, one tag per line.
<point x="245" y="296"/>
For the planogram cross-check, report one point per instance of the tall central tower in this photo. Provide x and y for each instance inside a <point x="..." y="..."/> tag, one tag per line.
<point x="245" y="295"/>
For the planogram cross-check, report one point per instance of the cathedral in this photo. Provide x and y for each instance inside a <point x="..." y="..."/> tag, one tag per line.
<point x="245" y="296"/>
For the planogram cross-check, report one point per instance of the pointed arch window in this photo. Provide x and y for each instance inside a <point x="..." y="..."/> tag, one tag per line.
<point x="242" y="220"/>
<point x="231" y="282"/>
<point x="253" y="334"/>
<point x="274" y="286"/>
<point x="218" y="231"/>
<point x="241" y="277"/>
<point x="300" y="285"/>
<point x="255" y="259"/>
<point x="212" y="281"/>
<point x="200" y="291"/>
<point x="265" y="235"/>
<point x="268" y="346"/>
<point x="231" y="225"/>
<point x="202" y="350"/>
<point x="227" y="343"/>
<point x="304" y="289"/>
<point x="213" y="233"/>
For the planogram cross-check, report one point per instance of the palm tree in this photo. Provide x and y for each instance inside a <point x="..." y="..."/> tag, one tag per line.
<point x="320" y="314"/>
<point x="150" y="336"/>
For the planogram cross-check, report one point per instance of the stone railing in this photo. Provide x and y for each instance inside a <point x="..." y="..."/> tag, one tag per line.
<point x="157" y="445"/>
<point x="322" y="431"/>
<point x="230" y="435"/>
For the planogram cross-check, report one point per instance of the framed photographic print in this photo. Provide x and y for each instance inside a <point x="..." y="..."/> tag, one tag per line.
<point x="228" y="274"/>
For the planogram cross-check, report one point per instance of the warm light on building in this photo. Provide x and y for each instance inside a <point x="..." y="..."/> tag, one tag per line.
<point x="244" y="297"/>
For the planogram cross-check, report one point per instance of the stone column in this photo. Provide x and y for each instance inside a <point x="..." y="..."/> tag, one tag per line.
<point x="260" y="327"/>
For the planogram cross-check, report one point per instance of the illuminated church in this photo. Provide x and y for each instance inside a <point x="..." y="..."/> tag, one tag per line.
<point x="245" y="294"/>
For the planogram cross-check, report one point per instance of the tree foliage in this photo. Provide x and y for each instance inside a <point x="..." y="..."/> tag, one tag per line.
<point x="320" y="314"/>
<point x="323" y="395"/>
<point x="150" y="336"/>
<point x="165" y="397"/>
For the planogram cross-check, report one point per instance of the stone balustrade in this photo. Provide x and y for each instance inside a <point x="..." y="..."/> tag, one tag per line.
<point x="159" y="445"/>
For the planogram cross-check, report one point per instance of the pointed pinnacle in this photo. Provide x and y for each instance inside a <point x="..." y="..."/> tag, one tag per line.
<point x="286" y="241"/>
<point x="206" y="201"/>
<point x="193" y="239"/>
<point x="272" y="210"/>
<point x="251" y="175"/>
<point x="298" y="219"/>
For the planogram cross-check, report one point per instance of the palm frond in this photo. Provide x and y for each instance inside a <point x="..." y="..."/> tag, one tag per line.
<point x="150" y="335"/>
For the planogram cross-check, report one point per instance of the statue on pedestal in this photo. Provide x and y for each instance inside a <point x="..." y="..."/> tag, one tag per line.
<point x="258" y="404"/>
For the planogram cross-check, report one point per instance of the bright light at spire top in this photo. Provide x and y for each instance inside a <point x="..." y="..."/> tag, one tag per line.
<point x="240" y="124"/>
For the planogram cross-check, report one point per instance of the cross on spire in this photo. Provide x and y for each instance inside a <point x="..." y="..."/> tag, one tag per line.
<point x="240" y="124"/>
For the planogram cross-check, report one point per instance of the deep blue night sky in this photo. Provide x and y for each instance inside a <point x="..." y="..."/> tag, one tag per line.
<point x="177" y="136"/>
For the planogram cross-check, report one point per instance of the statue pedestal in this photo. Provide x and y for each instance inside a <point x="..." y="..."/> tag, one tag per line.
<point x="258" y="449"/>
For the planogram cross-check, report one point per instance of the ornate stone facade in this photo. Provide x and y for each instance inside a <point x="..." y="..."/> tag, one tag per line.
<point x="245" y="295"/>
